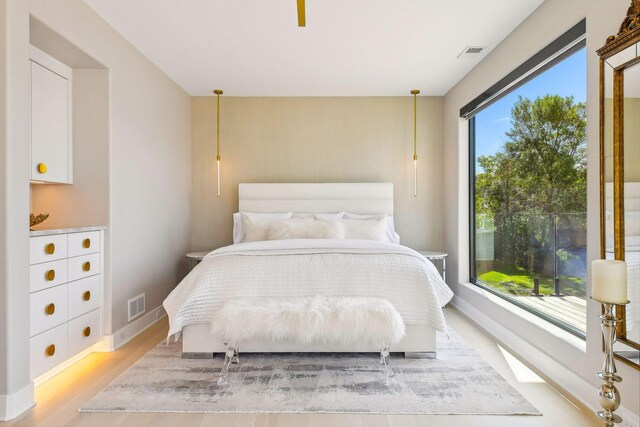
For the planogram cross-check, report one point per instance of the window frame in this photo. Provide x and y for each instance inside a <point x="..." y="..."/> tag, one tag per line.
<point x="557" y="51"/>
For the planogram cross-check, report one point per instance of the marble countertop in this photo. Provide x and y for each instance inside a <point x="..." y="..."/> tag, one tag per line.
<point x="66" y="230"/>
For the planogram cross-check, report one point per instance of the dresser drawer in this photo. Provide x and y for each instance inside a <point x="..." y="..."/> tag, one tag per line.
<point x="47" y="275"/>
<point x="47" y="248"/>
<point x="48" y="308"/>
<point x="84" y="331"/>
<point x="84" y="243"/>
<point x="48" y="349"/>
<point x="84" y="296"/>
<point x="84" y="266"/>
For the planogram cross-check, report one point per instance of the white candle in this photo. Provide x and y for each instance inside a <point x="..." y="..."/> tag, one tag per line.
<point x="609" y="281"/>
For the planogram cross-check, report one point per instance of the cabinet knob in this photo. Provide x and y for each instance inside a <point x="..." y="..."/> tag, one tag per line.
<point x="87" y="331"/>
<point x="86" y="266"/>
<point x="50" y="309"/>
<point x="51" y="275"/>
<point x="86" y="295"/>
<point x="50" y="248"/>
<point x="86" y="243"/>
<point x="42" y="168"/>
<point x="51" y="350"/>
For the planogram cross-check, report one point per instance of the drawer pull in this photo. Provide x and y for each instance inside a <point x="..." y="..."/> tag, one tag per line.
<point x="86" y="243"/>
<point x="86" y="295"/>
<point x="86" y="266"/>
<point x="50" y="276"/>
<point x="50" y="309"/>
<point x="42" y="168"/>
<point x="86" y="331"/>
<point x="50" y="350"/>
<point x="50" y="248"/>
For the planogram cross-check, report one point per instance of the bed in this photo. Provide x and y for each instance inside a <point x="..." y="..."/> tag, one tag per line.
<point x="631" y="250"/>
<point x="311" y="267"/>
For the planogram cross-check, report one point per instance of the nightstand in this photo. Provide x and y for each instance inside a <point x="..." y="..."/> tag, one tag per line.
<point x="194" y="258"/>
<point x="433" y="256"/>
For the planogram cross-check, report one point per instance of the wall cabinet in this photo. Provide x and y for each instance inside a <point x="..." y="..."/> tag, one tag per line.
<point x="51" y="112"/>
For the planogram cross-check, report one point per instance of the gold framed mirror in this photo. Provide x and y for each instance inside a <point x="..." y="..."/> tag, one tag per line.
<point x="620" y="171"/>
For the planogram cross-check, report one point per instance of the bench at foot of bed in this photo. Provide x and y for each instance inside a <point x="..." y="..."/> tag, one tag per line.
<point x="323" y="320"/>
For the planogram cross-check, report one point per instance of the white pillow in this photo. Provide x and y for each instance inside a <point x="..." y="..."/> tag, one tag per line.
<point x="239" y="219"/>
<point x="304" y="228"/>
<point x="367" y="229"/>
<point x="322" y="216"/>
<point x="391" y="235"/>
<point x="631" y="223"/>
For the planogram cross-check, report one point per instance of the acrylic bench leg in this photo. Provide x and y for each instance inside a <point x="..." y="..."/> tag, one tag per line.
<point x="385" y="359"/>
<point x="235" y="359"/>
<point x="230" y="356"/>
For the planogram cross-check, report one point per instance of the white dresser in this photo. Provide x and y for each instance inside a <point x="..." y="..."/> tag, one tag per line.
<point x="66" y="285"/>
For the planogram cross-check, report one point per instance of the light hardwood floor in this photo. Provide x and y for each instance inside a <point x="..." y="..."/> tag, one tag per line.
<point x="60" y="397"/>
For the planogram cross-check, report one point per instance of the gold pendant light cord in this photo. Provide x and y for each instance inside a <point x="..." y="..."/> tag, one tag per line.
<point x="218" y="92"/>
<point x="415" y="133"/>
<point x="415" y="93"/>
<point x="218" y="127"/>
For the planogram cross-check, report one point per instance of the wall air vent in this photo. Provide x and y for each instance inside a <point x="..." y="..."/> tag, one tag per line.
<point x="136" y="307"/>
<point x="472" y="52"/>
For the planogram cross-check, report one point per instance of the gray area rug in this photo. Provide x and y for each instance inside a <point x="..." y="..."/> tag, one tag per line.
<point x="458" y="382"/>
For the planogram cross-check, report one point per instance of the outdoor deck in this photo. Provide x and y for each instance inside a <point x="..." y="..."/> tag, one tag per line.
<point x="569" y="309"/>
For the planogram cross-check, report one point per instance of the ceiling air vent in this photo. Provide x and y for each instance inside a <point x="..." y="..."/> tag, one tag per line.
<point x="471" y="52"/>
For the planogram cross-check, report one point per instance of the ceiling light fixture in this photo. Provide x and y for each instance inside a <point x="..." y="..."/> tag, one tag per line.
<point x="302" y="19"/>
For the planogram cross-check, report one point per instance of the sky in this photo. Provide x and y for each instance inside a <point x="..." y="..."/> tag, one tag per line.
<point x="569" y="77"/>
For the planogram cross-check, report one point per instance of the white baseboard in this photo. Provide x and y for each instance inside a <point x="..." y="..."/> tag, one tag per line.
<point x="64" y="365"/>
<point x="569" y="382"/>
<point x="126" y="334"/>
<point x="13" y="405"/>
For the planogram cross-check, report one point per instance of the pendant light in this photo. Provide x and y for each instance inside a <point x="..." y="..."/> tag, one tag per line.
<point x="415" y="93"/>
<point x="218" y="92"/>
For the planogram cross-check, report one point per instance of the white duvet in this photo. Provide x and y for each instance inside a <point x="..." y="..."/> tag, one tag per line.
<point x="310" y="267"/>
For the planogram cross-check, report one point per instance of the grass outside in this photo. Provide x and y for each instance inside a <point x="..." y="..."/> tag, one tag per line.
<point x="518" y="281"/>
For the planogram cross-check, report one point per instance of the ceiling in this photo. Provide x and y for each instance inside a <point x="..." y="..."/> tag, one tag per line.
<point x="348" y="48"/>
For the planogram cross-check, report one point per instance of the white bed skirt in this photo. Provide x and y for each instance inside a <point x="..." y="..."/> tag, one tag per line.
<point x="198" y="339"/>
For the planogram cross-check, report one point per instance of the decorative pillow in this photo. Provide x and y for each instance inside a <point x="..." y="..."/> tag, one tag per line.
<point x="367" y="229"/>
<point x="304" y="228"/>
<point x="240" y="217"/>
<point x="390" y="235"/>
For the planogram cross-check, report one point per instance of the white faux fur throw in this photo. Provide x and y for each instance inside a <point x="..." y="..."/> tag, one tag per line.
<point x="327" y="320"/>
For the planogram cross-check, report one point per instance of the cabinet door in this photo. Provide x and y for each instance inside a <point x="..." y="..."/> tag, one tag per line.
<point x="84" y="332"/>
<point x="49" y="308"/>
<point x="49" y="125"/>
<point x="49" y="349"/>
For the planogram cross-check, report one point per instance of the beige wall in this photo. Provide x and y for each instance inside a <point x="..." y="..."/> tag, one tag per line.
<point x="86" y="202"/>
<point x="16" y="390"/>
<point x="318" y="140"/>
<point x="631" y="139"/>
<point x="555" y="17"/>
<point x="149" y="159"/>
<point x="149" y="175"/>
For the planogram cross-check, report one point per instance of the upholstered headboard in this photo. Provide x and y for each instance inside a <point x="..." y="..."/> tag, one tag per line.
<point x="631" y="211"/>
<point x="360" y="198"/>
<point x="631" y="196"/>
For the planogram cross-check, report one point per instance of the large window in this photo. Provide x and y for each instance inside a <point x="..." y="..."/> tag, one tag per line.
<point x="529" y="190"/>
